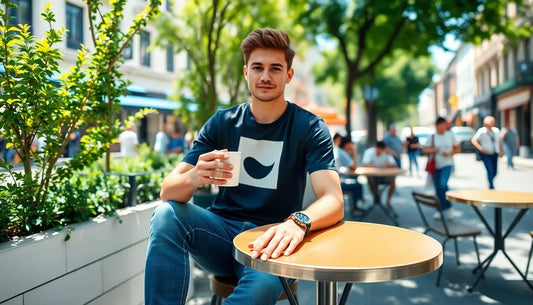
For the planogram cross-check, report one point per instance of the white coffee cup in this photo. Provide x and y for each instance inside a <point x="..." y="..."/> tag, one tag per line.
<point x="235" y="160"/>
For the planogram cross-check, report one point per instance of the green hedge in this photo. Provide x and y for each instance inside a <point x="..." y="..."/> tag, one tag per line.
<point x="87" y="194"/>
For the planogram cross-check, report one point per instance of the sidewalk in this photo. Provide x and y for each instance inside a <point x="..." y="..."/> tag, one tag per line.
<point x="526" y="162"/>
<point x="502" y="285"/>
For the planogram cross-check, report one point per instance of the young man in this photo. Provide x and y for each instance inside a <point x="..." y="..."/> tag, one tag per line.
<point x="345" y="153"/>
<point x="377" y="157"/>
<point x="279" y="142"/>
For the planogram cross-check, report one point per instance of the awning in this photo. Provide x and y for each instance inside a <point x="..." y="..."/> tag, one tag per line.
<point x="329" y="115"/>
<point x="514" y="99"/>
<point x="153" y="102"/>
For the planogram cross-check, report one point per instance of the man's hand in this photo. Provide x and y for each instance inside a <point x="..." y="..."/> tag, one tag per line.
<point x="278" y="240"/>
<point x="211" y="168"/>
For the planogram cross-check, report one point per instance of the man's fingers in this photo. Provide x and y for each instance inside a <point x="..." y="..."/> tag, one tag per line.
<point x="284" y="242"/>
<point x="260" y="243"/>
<point x="292" y="246"/>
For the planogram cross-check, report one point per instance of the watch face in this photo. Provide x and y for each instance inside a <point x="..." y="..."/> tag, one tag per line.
<point x="302" y="217"/>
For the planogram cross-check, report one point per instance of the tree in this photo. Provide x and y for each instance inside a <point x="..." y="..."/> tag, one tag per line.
<point x="209" y="32"/>
<point x="399" y="81"/>
<point x="35" y="106"/>
<point x="366" y="32"/>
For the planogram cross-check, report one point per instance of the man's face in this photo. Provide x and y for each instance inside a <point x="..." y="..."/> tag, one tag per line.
<point x="379" y="150"/>
<point x="267" y="73"/>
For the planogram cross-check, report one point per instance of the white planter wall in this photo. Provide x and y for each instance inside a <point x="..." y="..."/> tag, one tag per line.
<point x="102" y="263"/>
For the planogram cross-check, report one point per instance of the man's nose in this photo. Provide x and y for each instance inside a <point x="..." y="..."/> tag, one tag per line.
<point x="265" y="76"/>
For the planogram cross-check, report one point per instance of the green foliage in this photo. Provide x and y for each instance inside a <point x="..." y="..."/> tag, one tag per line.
<point x="366" y="32"/>
<point x="210" y="33"/>
<point x="88" y="194"/>
<point x="400" y="82"/>
<point x="32" y="106"/>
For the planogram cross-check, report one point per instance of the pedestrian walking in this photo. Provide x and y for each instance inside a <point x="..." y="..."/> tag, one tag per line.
<point x="176" y="143"/>
<point x="394" y="145"/>
<point x="161" y="140"/>
<point x="509" y="137"/>
<point x="487" y="141"/>
<point x="128" y="142"/>
<point x="412" y="146"/>
<point x="442" y="146"/>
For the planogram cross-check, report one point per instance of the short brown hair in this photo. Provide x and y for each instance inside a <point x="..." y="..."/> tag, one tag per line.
<point x="267" y="38"/>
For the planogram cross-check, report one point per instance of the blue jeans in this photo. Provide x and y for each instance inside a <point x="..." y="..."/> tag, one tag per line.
<point x="491" y="165"/>
<point x="440" y="180"/>
<point x="355" y="189"/>
<point x="182" y="229"/>
<point x="509" y="153"/>
<point x="413" y="159"/>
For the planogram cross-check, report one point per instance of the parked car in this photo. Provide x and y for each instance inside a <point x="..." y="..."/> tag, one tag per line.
<point x="464" y="135"/>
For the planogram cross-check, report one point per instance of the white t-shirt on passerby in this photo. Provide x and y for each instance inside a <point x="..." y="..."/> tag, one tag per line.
<point x="445" y="142"/>
<point x="370" y="156"/>
<point x="161" y="142"/>
<point x="128" y="142"/>
<point x="488" y="140"/>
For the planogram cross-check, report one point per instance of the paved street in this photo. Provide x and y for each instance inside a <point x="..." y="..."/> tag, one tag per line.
<point x="502" y="285"/>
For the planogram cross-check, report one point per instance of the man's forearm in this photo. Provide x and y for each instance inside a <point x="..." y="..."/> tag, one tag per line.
<point x="179" y="186"/>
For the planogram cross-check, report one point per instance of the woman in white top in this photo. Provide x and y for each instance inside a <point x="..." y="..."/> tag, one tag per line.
<point x="443" y="145"/>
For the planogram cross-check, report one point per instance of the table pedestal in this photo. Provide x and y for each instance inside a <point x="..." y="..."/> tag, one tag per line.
<point x="499" y="243"/>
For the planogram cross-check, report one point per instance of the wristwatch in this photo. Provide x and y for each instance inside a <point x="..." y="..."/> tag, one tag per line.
<point x="302" y="220"/>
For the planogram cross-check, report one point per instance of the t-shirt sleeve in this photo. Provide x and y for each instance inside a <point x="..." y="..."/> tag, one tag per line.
<point x="367" y="156"/>
<point x="204" y="142"/>
<point x="344" y="159"/>
<point x="319" y="148"/>
<point x="477" y="134"/>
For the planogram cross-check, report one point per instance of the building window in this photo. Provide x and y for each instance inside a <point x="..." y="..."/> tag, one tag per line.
<point x="74" y="26"/>
<point x="127" y="53"/>
<point x="22" y="13"/>
<point x="170" y="59"/>
<point x="145" y="43"/>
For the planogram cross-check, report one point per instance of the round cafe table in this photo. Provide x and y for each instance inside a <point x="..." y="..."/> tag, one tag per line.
<point x="347" y="252"/>
<point x="496" y="199"/>
<point x="384" y="172"/>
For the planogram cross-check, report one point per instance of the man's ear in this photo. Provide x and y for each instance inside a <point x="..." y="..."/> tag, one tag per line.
<point x="290" y="75"/>
<point x="245" y="72"/>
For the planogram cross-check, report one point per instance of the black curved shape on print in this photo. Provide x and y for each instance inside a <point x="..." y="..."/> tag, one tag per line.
<point x="255" y="169"/>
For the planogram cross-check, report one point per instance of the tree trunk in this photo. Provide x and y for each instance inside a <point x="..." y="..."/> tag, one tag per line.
<point x="350" y="81"/>
<point x="371" y="110"/>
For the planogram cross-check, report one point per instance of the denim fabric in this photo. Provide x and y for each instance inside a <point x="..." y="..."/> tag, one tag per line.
<point x="440" y="180"/>
<point x="413" y="159"/>
<point x="491" y="165"/>
<point x="180" y="229"/>
<point x="355" y="189"/>
<point x="510" y="151"/>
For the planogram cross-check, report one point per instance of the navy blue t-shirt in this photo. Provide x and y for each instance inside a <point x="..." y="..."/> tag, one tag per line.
<point x="275" y="158"/>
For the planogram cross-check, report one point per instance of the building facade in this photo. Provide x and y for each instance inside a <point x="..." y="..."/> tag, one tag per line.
<point x="501" y="84"/>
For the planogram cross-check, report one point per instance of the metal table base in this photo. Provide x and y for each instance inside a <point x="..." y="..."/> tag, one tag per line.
<point x="499" y="243"/>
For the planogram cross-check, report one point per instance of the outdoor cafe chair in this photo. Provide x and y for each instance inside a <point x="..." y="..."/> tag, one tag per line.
<point x="442" y="226"/>
<point x="530" y="253"/>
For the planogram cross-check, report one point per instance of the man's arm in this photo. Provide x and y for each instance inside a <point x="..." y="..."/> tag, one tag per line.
<point x="181" y="183"/>
<point x="326" y="211"/>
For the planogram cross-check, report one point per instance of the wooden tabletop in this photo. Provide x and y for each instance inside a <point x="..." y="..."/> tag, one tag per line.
<point x="349" y="252"/>
<point x="374" y="171"/>
<point x="492" y="198"/>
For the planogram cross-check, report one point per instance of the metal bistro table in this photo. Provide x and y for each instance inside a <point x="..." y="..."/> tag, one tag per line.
<point x="347" y="252"/>
<point x="383" y="172"/>
<point x="498" y="200"/>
